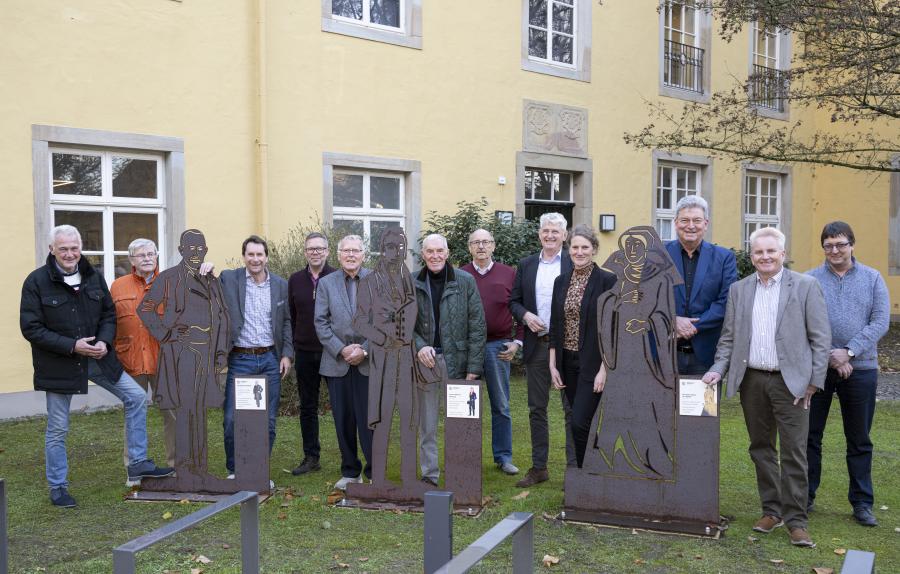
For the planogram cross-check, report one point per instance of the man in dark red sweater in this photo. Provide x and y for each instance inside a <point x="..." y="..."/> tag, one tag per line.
<point x="495" y="281"/>
<point x="307" y="348"/>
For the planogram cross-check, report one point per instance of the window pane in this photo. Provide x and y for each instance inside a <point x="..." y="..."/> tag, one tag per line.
<point x="676" y="11"/>
<point x="666" y="176"/>
<point x="537" y="43"/>
<point x="121" y="265"/>
<point x="537" y="13"/>
<point x="385" y="12"/>
<point x="129" y="226"/>
<point x="664" y="228"/>
<point x="134" y="177"/>
<point x="564" y="193"/>
<point x="562" y="48"/>
<point x="543" y="185"/>
<point x="96" y="260"/>
<point x="76" y="174"/>
<point x="348" y="190"/>
<point x="680" y="179"/>
<point x="378" y="229"/>
<point x="89" y="224"/>
<point x="529" y="177"/>
<point x="384" y="193"/>
<point x="563" y="20"/>
<point x="344" y="227"/>
<point x="692" y="180"/>
<point x="347" y="8"/>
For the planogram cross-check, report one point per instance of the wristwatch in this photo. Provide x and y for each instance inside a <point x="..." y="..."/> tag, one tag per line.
<point x="850" y="352"/>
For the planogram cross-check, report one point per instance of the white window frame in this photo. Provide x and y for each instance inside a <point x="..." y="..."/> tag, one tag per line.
<point x="550" y="32"/>
<point x="701" y="36"/>
<point x="408" y="35"/>
<point x="759" y="219"/>
<point x="668" y="214"/>
<point x="107" y="204"/>
<point x="553" y="199"/>
<point x="771" y="61"/>
<point x="369" y="214"/>
<point x="780" y="61"/>
<point x="580" y="68"/>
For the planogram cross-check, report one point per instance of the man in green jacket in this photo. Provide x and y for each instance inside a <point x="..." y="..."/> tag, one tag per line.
<point x="450" y="328"/>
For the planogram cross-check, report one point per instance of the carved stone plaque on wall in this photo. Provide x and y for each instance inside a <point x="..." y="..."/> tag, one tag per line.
<point x="554" y="128"/>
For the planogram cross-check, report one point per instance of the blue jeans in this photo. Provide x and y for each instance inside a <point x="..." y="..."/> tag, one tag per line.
<point x="133" y="397"/>
<point x="857" y="397"/>
<point x="249" y="364"/>
<point x="496" y="378"/>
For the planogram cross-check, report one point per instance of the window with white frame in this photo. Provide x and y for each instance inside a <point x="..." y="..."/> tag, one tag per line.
<point x="762" y="202"/>
<point x="376" y="13"/>
<point x="548" y="191"/>
<point x="767" y="82"/>
<point x="683" y="54"/>
<point x="112" y="197"/>
<point x="552" y="29"/>
<point x="673" y="182"/>
<point x="367" y="203"/>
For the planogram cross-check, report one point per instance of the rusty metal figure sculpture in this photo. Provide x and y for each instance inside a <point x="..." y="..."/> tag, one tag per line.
<point x="186" y="312"/>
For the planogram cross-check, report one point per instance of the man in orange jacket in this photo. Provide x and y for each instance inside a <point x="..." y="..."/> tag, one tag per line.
<point x="137" y="349"/>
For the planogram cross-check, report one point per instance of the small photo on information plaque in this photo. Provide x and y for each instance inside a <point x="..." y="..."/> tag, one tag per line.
<point x="250" y="394"/>
<point x="697" y="399"/>
<point x="463" y="401"/>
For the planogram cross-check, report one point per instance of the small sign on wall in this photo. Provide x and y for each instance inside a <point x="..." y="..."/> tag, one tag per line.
<point x="697" y="399"/>
<point x="250" y="393"/>
<point x="463" y="401"/>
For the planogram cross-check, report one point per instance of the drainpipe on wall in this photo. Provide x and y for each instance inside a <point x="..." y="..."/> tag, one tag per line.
<point x="262" y="141"/>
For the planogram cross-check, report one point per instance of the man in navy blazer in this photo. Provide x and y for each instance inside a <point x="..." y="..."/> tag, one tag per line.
<point x="708" y="271"/>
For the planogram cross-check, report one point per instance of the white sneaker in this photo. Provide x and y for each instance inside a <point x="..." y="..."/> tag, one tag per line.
<point x="229" y="477"/>
<point x="130" y="483"/>
<point x="345" y="480"/>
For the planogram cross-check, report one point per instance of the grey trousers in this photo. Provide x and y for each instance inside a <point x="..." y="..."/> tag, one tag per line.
<point x="537" y="371"/>
<point x="770" y="414"/>
<point x="429" y="414"/>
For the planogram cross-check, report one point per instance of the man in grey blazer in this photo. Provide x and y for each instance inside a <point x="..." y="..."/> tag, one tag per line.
<point x="345" y="359"/>
<point x="774" y="348"/>
<point x="260" y="337"/>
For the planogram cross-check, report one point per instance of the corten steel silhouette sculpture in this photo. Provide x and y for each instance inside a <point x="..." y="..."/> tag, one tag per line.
<point x="386" y="316"/>
<point x="644" y="465"/>
<point x="186" y="312"/>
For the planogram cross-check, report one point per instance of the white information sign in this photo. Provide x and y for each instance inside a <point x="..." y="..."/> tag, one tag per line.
<point x="250" y="393"/>
<point x="697" y="399"/>
<point x="463" y="401"/>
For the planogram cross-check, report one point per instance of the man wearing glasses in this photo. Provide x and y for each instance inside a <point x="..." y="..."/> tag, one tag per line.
<point x="859" y="312"/>
<point x="138" y="350"/>
<point x="495" y="282"/>
<point x="307" y="348"/>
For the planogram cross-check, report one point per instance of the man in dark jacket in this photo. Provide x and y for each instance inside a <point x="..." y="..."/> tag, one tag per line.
<point x="68" y="316"/>
<point x="450" y="325"/>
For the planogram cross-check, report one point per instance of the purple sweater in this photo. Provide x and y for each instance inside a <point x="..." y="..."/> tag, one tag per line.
<point x="494" y="288"/>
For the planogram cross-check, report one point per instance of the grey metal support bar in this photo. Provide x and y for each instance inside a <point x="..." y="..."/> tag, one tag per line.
<point x="518" y="525"/>
<point x="124" y="555"/>
<point x="858" y="562"/>
<point x="438" y="530"/>
<point x="4" y="544"/>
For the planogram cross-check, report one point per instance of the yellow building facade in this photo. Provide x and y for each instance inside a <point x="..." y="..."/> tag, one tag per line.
<point x="139" y="117"/>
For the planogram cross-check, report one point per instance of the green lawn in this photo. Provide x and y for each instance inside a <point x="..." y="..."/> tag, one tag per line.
<point x="301" y="533"/>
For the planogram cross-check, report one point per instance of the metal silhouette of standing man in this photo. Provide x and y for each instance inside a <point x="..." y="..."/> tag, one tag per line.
<point x="186" y="312"/>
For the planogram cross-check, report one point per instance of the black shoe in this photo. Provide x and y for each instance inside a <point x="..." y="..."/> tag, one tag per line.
<point x="147" y="469"/>
<point x="864" y="516"/>
<point x="309" y="464"/>
<point x="429" y="480"/>
<point x="61" y="498"/>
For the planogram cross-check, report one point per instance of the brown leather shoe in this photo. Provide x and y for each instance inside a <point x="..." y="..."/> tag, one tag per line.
<point x="767" y="524"/>
<point x="534" y="476"/>
<point x="800" y="537"/>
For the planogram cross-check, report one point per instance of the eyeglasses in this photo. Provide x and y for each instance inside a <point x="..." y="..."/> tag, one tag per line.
<point x="829" y="247"/>
<point x="481" y="242"/>
<point x="316" y="249"/>
<point x="150" y="255"/>
<point x="351" y="251"/>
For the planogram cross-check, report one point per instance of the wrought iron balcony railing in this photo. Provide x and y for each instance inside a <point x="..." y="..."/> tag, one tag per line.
<point x="768" y="88"/>
<point x="683" y="66"/>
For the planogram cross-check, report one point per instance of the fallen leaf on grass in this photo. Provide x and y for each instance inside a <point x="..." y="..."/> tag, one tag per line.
<point x="883" y="507"/>
<point x="823" y="570"/>
<point x="335" y="497"/>
<point x="196" y="571"/>
<point x="547" y="516"/>
<point x="285" y="505"/>
<point x="840" y="551"/>
<point x="314" y="498"/>
<point x="698" y="557"/>
<point x="286" y="470"/>
<point x="634" y="530"/>
<point x="363" y="558"/>
<point x="343" y="565"/>
<point x="184" y="501"/>
<point x="326" y="525"/>
<point x="202" y="559"/>
<point x="226" y="546"/>
<point x="281" y="516"/>
<point x="639" y="561"/>
<point x="897" y="530"/>
<point x="289" y="494"/>
<point x="521" y="496"/>
<point x="753" y="539"/>
<point x="167" y="515"/>
<point x="549" y="560"/>
<point x="776" y="561"/>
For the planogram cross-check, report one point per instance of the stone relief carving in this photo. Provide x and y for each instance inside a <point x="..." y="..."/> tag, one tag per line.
<point x="555" y="128"/>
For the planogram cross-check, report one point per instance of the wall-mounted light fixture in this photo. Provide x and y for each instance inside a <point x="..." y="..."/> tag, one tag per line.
<point x="607" y="222"/>
<point x="505" y="217"/>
